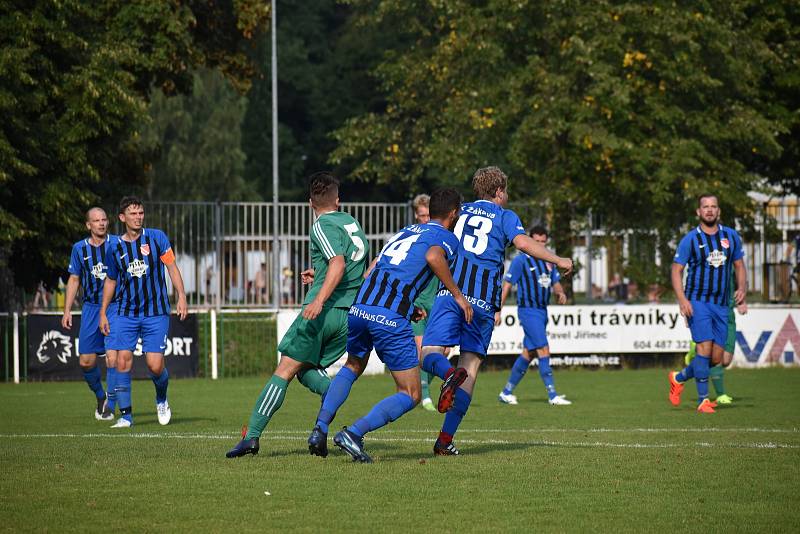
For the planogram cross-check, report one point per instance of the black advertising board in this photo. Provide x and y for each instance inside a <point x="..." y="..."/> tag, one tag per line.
<point x="53" y="352"/>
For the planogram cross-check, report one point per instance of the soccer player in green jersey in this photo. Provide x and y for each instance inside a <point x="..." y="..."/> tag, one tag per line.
<point x="318" y="336"/>
<point x="716" y="374"/>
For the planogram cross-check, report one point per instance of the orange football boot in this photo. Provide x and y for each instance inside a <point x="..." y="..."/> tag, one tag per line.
<point x="706" y="407"/>
<point x="675" y="389"/>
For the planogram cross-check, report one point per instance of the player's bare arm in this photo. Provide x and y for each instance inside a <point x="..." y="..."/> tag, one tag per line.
<point x="332" y="279"/>
<point x="527" y="244"/>
<point x="561" y="295"/>
<point x="503" y="296"/>
<point x="177" y="282"/>
<point x="72" y="289"/>
<point x="437" y="260"/>
<point x="109" y="288"/>
<point x="371" y="266"/>
<point x="740" y="295"/>
<point x="676" y="276"/>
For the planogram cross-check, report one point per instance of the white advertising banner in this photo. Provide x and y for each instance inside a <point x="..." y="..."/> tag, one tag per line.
<point x="765" y="335"/>
<point x="285" y="320"/>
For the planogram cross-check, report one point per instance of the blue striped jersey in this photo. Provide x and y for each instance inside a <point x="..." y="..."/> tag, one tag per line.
<point x="709" y="260"/>
<point x="89" y="264"/>
<point x="534" y="279"/>
<point x="138" y="268"/>
<point x="402" y="271"/>
<point x="484" y="231"/>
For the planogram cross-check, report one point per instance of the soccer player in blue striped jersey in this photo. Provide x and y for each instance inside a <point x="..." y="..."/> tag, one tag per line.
<point x="380" y="317"/>
<point x="710" y="251"/>
<point x="484" y="230"/>
<point x="137" y="263"/>
<point x="535" y="279"/>
<point x="87" y="269"/>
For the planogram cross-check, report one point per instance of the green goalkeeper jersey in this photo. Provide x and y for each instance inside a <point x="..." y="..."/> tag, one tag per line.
<point x="426" y="296"/>
<point x="338" y="234"/>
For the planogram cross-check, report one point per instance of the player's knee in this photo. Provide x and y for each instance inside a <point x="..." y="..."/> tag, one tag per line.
<point x="356" y="365"/>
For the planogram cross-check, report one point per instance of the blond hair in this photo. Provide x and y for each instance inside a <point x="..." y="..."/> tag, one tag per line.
<point x="420" y="200"/>
<point x="487" y="180"/>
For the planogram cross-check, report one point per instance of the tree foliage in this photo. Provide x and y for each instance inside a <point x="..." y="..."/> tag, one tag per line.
<point x="74" y="82"/>
<point x="628" y="108"/>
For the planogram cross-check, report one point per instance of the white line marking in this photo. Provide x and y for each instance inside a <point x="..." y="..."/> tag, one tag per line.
<point x="545" y="443"/>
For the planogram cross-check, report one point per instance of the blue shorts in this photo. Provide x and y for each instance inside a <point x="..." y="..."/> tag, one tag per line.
<point x="111" y="315"/>
<point x="91" y="339"/>
<point x="390" y="334"/>
<point x="152" y="331"/>
<point x="534" y="324"/>
<point x="447" y="327"/>
<point x="709" y="322"/>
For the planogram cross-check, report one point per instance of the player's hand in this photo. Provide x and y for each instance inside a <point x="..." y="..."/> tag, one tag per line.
<point x="66" y="320"/>
<point x="465" y="307"/>
<point x="312" y="310"/>
<point x="739" y="295"/>
<point x="685" y="307"/>
<point x="742" y="308"/>
<point x="182" y="308"/>
<point x="307" y="276"/>
<point x="105" y="328"/>
<point x="497" y="318"/>
<point x="565" y="264"/>
<point x="561" y="297"/>
<point x="418" y="315"/>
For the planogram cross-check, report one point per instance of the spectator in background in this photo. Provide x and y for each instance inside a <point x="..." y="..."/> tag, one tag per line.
<point x="40" y="299"/>
<point x="618" y="289"/>
<point x="209" y="278"/>
<point x="794" y="247"/>
<point x="260" y="284"/>
<point x="654" y="293"/>
<point x="286" y="286"/>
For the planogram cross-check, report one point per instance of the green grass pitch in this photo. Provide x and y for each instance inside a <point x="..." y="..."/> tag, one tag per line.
<point x="621" y="458"/>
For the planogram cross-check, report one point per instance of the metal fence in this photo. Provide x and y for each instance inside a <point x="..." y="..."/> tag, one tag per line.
<point x="225" y="250"/>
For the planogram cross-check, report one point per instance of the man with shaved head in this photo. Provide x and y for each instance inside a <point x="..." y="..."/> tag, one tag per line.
<point x="87" y="269"/>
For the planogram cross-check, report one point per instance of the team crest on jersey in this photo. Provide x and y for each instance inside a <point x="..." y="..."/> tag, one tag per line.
<point x="717" y="258"/>
<point x="725" y="243"/>
<point x="544" y="280"/>
<point x="99" y="271"/>
<point x="145" y="249"/>
<point x="137" y="268"/>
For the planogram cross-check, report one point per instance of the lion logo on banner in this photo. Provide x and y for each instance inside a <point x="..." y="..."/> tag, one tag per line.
<point x="54" y="344"/>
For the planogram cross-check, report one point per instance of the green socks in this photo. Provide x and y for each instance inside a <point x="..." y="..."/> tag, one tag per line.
<point x="716" y="379"/>
<point x="267" y="404"/>
<point x="425" y="378"/>
<point x="316" y="380"/>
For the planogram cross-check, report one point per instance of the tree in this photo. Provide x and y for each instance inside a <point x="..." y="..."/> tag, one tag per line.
<point x="198" y="140"/>
<point x="629" y="108"/>
<point x="74" y="81"/>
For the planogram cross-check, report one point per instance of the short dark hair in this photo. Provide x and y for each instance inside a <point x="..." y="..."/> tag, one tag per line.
<point x="128" y="201"/>
<point x="443" y="201"/>
<point x="706" y="195"/>
<point x="538" y="230"/>
<point x="323" y="188"/>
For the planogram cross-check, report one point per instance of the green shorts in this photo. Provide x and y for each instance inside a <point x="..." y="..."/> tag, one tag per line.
<point x="419" y="326"/>
<point x="319" y="342"/>
<point x="730" y="342"/>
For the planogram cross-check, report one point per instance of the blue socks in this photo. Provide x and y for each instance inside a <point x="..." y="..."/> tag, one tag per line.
<point x="111" y="384"/>
<point x="124" y="394"/>
<point x="437" y="364"/>
<point x="687" y="373"/>
<point x="92" y="377"/>
<point x="335" y="396"/>
<point x="517" y="372"/>
<point x="701" y="372"/>
<point x="453" y="418"/>
<point x="386" y="411"/>
<point x="161" y="382"/>
<point x="547" y="376"/>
